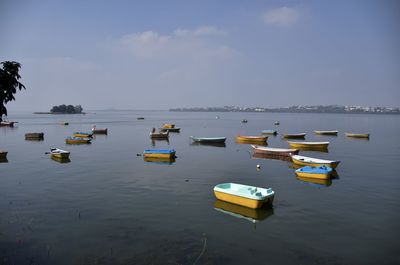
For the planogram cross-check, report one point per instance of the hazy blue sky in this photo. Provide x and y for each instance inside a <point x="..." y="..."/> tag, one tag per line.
<point x="162" y="54"/>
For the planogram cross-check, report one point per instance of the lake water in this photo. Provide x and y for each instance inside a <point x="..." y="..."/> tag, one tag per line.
<point x="109" y="206"/>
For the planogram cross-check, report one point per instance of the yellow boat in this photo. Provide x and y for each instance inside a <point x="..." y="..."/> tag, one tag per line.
<point x="168" y="160"/>
<point x="308" y="145"/>
<point x="159" y="153"/>
<point x="358" y="135"/>
<point x="61" y="160"/>
<point x="314" y="162"/>
<point x="326" y="132"/>
<point x="168" y="126"/>
<point x="324" y="182"/>
<point x="294" y="136"/>
<point x="251" y="139"/>
<point x="244" y="195"/>
<point x="253" y="215"/>
<point x="58" y="153"/>
<point x="77" y="140"/>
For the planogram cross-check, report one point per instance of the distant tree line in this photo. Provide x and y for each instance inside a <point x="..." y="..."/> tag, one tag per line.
<point x="67" y="109"/>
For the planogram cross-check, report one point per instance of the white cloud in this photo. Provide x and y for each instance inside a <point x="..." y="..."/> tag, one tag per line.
<point x="283" y="16"/>
<point x="182" y="42"/>
<point x="200" y="31"/>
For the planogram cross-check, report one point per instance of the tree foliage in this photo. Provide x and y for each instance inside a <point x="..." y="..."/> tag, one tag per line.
<point x="9" y="83"/>
<point x="67" y="109"/>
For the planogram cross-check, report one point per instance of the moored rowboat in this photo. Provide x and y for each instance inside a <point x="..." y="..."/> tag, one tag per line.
<point x="274" y="151"/>
<point x="7" y="123"/>
<point x="308" y="145"/>
<point x="321" y="172"/>
<point x="99" y="131"/>
<point x="273" y="132"/>
<point x="326" y="132"/>
<point x="248" y="196"/>
<point x="59" y="153"/>
<point x="159" y="135"/>
<point x="82" y="135"/>
<point x="159" y="153"/>
<point x="3" y="154"/>
<point x="170" y="129"/>
<point x="34" y="136"/>
<point x="77" y="140"/>
<point x="294" y="136"/>
<point x="358" y="135"/>
<point x="315" y="162"/>
<point x="244" y="138"/>
<point x="208" y="139"/>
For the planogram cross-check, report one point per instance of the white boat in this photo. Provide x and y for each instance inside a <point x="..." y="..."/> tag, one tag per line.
<point x="59" y="153"/>
<point x="314" y="162"/>
<point x="274" y="151"/>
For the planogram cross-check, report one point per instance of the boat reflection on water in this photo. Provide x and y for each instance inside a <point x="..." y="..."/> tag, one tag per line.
<point x="315" y="181"/>
<point x="159" y="160"/>
<point x="271" y="156"/>
<point x="3" y="160"/>
<point x="238" y="211"/>
<point x="313" y="148"/>
<point x="208" y="144"/>
<point x="60" y="160"/>
<point x="153" y="141"/>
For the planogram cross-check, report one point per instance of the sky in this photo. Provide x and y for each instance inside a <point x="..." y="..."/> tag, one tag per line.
<point x="166" y="54"/>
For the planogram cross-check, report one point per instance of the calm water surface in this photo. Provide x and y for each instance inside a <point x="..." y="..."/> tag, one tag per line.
<point x="109" y="206"/>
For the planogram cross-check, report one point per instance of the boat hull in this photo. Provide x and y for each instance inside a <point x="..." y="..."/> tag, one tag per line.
<point x="270" y="132"/>
<point x="170" y="129"/>
<point x="100" y="131"/>
<point x="309" y="146"/>
<point x="313" y="175"/>
<point x="77" y="141"/>
<point x="275" y="151"/>
<point x="246" y="202"/>
<point x="34" y="136"/>
<point x="7" y="124"/>
<point x="82" y="135"/>
<point x="358" y="135"/>
<point x="334" y="133"/>
<point x="294" y="136"/>
<point x="251" y="139"/>
<point x="297" y="162"/>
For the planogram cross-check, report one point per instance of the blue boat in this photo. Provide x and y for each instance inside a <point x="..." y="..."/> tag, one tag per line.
<point x="322" y="172"/>
<point x="159" y="153"/>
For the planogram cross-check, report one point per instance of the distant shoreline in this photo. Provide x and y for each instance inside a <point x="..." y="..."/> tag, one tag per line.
<point x="57" y="113"/>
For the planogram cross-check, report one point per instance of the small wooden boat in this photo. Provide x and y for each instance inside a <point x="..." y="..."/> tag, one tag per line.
<point x="314" y="181"/>
<point x="59" y="153"/>
<point x="251" y="139"/>
<point x="159" y="135"/>
<point x="3" y="154"/>
<point x="326" y="132"/>
<point x="7" y="123"/>
<point x="244" y="121"/>
<point x="274" y="151"/>
<point x="277" y="123"/>
<point x="140" y="118"/>
<point x="159" y="153"/>
<point x="64" y="123"/>
<point x="358" y="135"/>
<point x="83" y="135"/>
<point x="272" y="132"/>
<point x="168" y="125"/>
<point x="294" y="136"/>
<point x="208" y="139"/>
<point x="99" y="131"/>
<point x="34" y="136"/>
<point x="269" y="156"/>
<point x="308" y="145"/>
<point x="321" y="172"/>
<point x="241" y="212"/>
<point x="160" y="160"/>
<point x="77" y="140"/>
<point x="314" y="162"/>
<point x="248" y="196"/>
<point x="170" y="129"/>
